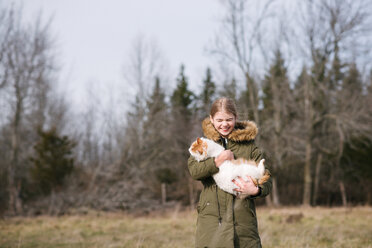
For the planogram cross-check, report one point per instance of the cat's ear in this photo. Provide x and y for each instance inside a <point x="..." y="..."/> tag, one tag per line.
<point x="198" y="140"/>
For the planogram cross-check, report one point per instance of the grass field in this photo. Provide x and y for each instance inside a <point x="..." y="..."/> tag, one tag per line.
<point x="283" y="227"/>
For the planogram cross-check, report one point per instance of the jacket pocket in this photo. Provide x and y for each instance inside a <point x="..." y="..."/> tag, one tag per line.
<point x="207" y="205"/>
<point x="202" y="202"/>
<point x="201" y="206"/>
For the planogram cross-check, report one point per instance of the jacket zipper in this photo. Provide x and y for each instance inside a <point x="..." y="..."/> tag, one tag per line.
<point x="224" y="143"/>
<point x="219" y="210"/>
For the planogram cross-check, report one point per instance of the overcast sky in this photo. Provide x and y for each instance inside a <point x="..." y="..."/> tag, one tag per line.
<point x="94" y="37"/>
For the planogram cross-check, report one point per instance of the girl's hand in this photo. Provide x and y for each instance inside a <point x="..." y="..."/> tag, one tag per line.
<point x="225" y="155"/>
<point x="246" y="187"/>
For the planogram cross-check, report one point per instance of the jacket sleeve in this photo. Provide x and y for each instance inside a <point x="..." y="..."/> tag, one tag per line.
<point x="202" y="169"/>
<point x="265" y="188"/>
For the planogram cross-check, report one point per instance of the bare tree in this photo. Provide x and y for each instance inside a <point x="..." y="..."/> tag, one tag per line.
<point x="330" y="28"/>
<point x="238" y="42"/>
<point x="145" y="63"/>
<point x="25" y="62"/>
<point x="100" y="146"/>
<point x="278" y="106"/>
<point x="5" y="28"/>
<point x="241" y="42"/>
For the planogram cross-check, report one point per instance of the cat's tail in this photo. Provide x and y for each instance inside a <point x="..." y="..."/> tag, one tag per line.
<point x="261" y="167"/>
<point x="264" y="179"/>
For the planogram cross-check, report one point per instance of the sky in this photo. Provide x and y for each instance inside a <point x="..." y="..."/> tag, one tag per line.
<point x="94" y="37"/>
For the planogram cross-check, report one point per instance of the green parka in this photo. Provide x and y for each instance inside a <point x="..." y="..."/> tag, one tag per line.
<point x="238" y="227"/>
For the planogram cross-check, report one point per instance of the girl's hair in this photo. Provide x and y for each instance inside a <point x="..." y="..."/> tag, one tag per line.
<point x="223" y="104"/>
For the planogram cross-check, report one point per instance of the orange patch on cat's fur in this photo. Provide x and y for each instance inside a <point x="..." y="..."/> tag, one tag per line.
<point x="199" y="146"/>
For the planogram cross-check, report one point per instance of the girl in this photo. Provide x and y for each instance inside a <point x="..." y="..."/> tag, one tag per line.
<point x="223" y="219"/>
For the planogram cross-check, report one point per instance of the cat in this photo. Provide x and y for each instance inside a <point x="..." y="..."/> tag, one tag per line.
<point x="204" y="148"/>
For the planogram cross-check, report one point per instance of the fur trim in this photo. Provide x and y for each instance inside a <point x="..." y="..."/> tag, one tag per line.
<point x="243" y="131"/>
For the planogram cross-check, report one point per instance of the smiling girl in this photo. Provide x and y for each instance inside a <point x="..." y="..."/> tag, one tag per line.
<point x="223" y="219"/>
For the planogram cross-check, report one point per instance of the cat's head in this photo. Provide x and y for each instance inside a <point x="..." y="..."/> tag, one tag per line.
<point x="198" y="149"/>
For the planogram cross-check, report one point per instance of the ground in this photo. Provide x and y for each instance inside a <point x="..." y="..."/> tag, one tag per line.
<point x="279" y="227"/>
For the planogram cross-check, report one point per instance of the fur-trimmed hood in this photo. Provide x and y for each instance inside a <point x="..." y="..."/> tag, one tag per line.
<point x="243" y="131"/>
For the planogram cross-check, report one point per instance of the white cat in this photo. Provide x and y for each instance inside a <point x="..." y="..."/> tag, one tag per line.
<point x="204" y="148"/>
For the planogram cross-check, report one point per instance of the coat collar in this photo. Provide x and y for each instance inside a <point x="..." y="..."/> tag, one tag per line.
<point x="243" y="131"/>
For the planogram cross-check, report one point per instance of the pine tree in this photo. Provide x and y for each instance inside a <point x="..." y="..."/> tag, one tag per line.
<point x="53" y="160"/>
<point x="207" y="95"/>
<point x="352" y="82"/>
<point x="155" y="106"/>
<point x="181" y="129"/>
<point x="182" y="109"/>
<point x="314" y="103"/>
<point x="159" y="169"/>
<point x="276" y="115"/>
<point x="356" y="163"/>
<point x="229" y="89"/>
<point x="245" y="104"/>
<point x="156" y="118"/>
<point x="182" y="97"/>
<point x="134" y="139"/>
<point x="277" y="95"/>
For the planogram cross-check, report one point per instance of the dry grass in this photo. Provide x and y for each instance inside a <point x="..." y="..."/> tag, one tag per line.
<point x="284" y="227"/>
<point x="316" y="227"/>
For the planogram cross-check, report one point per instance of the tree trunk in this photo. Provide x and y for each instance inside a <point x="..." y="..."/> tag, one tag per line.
<point x="308" y="124"/>
<point x="316" y="179"/>
<point x="15" y="202"/>
<point x="268" y="201"/>
<point x="163" y="193"/>
<point x="252" y="98"/>
<point x="277" y="147"/>
<point x="339" y="155"/>
<point x="343" y="193"/>
<point x="275" y="193"/>
<point x="307" y="176"/>
<point x="51" y="203"/>
<point x="96" y="171"/>
<point x="369" y="196"/>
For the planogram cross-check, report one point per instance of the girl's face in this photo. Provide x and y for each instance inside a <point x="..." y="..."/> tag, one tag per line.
<point x="223" y="122"/>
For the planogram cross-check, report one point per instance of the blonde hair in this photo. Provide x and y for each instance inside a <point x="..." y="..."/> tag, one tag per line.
<point x="223" y="104"/>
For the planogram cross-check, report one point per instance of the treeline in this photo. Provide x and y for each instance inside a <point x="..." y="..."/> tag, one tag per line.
<point x="313" y="114"/>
